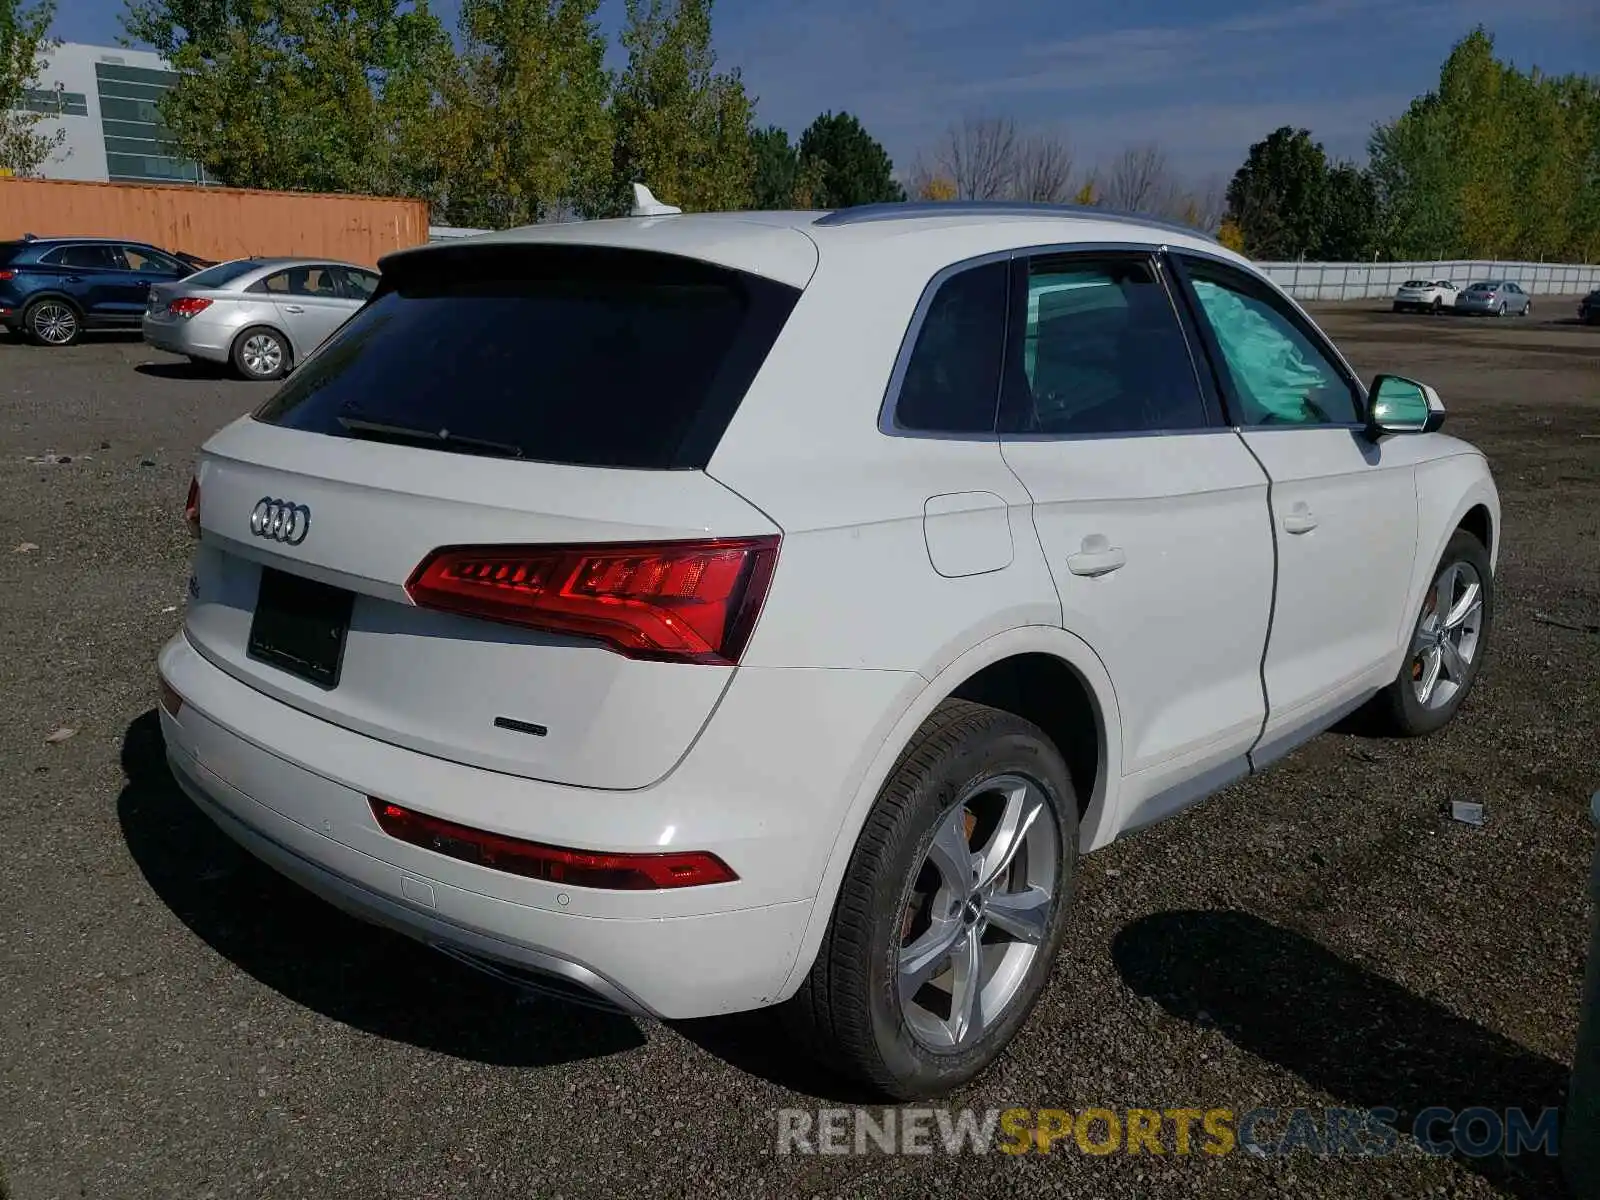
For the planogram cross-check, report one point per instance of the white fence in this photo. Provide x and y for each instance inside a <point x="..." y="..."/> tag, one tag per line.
<point x="449" y="233"/>
<point x="1361" y="281"/>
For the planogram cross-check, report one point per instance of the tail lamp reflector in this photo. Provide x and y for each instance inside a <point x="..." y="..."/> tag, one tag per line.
<point x="188" y="306"/>
<point x="576" y="868"/>
<point x="689" y="601"/>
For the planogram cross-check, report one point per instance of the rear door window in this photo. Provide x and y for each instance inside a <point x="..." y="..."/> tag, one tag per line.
<point x="1103" y="352"/>
<point x="568" y="354"/>
<point x="279" y="283"/>
<point x="91" y="257"/>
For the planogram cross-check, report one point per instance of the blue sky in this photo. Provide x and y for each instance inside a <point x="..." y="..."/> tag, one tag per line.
<point x="1203" y="79"/>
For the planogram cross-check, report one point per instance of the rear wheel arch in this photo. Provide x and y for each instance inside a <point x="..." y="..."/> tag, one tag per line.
<point x="1046" y="691"/>
<point x="994" y="670"/>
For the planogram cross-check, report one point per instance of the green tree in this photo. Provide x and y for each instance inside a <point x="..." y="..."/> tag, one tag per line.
<point x="1477" y="93"/>
<point x="776" y="170"/>
<point x="1410" y="161"/>
<point x="1583" y="241"/>
<point x="855" y="168"/>
<point x="1350" y="220"/>
<point x="682" y="127"/>
<point x="524" y="132"/>
<point x="1278" y="198"/>
<point x="1496" y="162"/>
<point x="24" y="30"/>
<point x="301" y="94"/>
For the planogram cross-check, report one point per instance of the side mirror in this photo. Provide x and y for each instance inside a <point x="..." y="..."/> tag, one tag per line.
<point x="1400" y="405"/>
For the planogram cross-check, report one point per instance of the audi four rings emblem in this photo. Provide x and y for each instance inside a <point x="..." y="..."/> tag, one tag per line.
<point x="280" y="520"/>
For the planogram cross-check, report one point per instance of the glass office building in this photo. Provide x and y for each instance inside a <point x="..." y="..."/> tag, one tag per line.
<point x="104" y="98"/>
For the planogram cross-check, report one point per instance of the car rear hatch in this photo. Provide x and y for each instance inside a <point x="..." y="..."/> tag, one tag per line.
<point x="477" y="523"/>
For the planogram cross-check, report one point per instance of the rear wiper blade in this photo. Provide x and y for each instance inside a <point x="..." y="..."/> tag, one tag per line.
<point x="443" y="437"/>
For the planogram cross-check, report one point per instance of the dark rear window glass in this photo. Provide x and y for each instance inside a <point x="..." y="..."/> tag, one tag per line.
<point x="222" y="273"/>
<point x="566" y="354"/>
<point x="9" y="250"/>
<point x="952" y="379"/>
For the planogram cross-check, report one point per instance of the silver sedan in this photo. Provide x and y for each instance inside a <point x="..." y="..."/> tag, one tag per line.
<point x="1498" y="296"/>
<point x="262" y="315"/>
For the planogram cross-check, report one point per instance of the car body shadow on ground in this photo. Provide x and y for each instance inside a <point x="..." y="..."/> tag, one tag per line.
<point x="182" y="369"/>
<point x="1365" y="1040"/>
<point x="317" y="956"/>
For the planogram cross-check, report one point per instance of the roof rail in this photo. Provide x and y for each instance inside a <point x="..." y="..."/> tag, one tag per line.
<point x="906" y="210"/>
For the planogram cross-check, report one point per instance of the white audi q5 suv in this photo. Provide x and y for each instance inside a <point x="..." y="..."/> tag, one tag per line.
<point x="694" y="613"/>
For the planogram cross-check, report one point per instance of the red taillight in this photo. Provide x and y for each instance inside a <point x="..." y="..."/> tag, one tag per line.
<point x="191" y="508"/>
<point x="170" y="700"/>
<point x="187" y="306"/>
<point x="680" y="601"/>
<point x="577" y="868"/>
<point x="5" y="275"/>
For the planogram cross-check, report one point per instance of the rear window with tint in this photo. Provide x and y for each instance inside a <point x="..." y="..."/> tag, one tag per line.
<point x="222" y="273"/>
<point x="9" y="250"/>
<point x="567" y="354"/>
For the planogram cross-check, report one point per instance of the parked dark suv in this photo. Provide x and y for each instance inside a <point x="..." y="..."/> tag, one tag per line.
<point x="54" y="289"/>
<point x="1589" y="308"/>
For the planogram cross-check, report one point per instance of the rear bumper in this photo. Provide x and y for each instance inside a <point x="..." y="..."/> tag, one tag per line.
<point x="292" y="789"/>
<point x="232" y="810"/>
<point x="191" y="337"/>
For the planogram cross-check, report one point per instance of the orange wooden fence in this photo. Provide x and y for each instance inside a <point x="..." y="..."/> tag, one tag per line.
<point x="217" y="223"/>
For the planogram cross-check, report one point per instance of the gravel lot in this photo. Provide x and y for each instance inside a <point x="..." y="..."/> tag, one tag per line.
<point x="175" y="1021"/>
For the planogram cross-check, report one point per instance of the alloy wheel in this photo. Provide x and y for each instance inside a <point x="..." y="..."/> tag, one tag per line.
<point x="1446" y="640"/>
<point x="262" y="354"/>
<point x="54" y="324"/>
<point x="979" y="911"/>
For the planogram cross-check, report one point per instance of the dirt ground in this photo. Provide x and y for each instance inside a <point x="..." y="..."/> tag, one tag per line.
<point x="176" y="1021"/>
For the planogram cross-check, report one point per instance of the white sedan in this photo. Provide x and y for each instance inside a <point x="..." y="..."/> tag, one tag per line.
<point x="693" y="613"/>
<point x="1425" y="295"/>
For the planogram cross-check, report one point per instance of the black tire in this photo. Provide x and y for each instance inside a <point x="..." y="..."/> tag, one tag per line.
<point x="1397" y="712"/>
<point x="52" y="321"/>
<point x="1438" y="306"/>
<point x="243" y="356"/>
<point x="847" y="1011"/>
<point x="1399" y="308"/>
